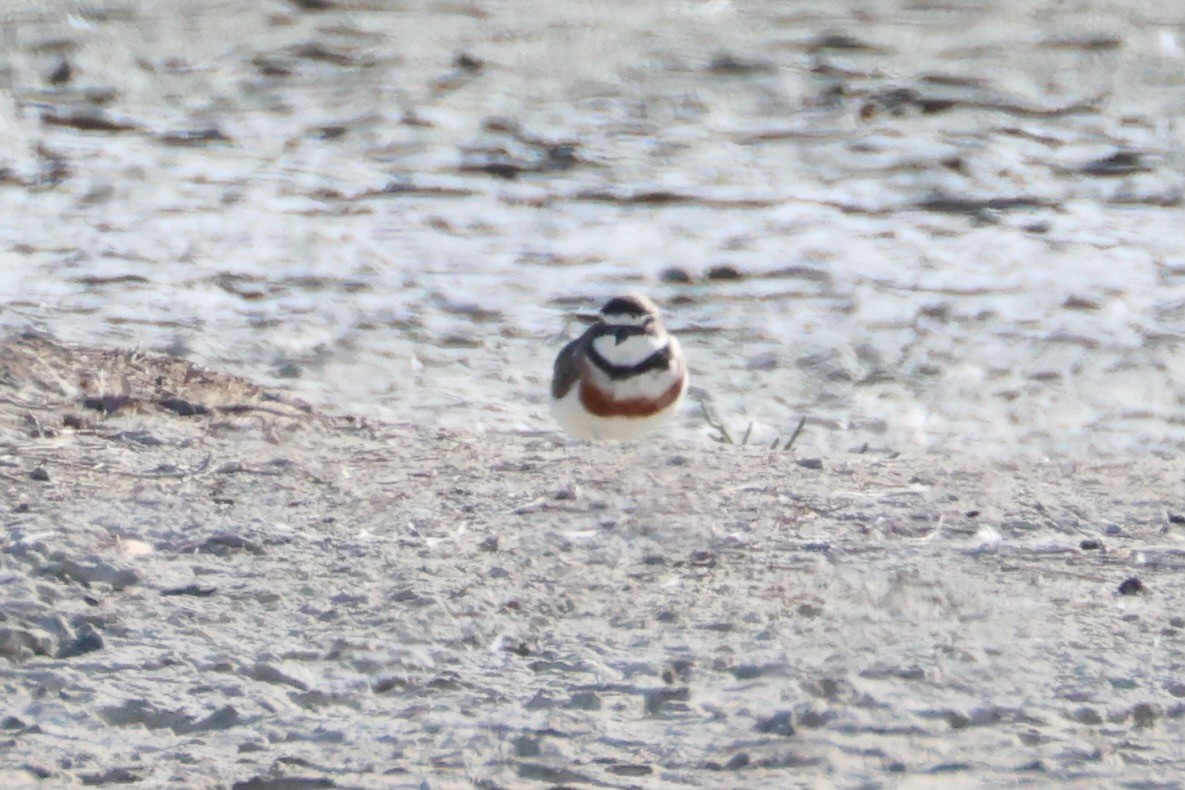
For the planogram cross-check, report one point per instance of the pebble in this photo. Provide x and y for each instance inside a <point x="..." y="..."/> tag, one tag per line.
<point x="674" y="274"/>
<point x="182" y="408"/>
<point x="89" y="573"/>
<point x="1145" y="714"/>
<point x="135" y="548"/>
<point x="228" y="543"/>
<point x="195" y="590"/>
<point x="113" y="776"/>
<point x="87" y="642"/>
<point x="655" y="700"/>
<point x="283" y="783"/>
<point x="585" y="700"/>
<point x="724" y="272"/>
<point x="1086" y="715"/>
<point x="40" y="475"/>
<point x="781" y="723"/>
<point x="1131" y="586"/>
<point x="20" y="644"/>
<point x="767" y="360"/>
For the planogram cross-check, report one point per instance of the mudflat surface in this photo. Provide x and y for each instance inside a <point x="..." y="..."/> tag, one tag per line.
<point x="248" y="593"/>
<point x="333" y="539"/>
<point x="927" y="226"/>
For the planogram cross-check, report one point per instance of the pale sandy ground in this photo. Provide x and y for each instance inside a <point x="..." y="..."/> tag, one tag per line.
<point x="941" y="229"/>
<point x="266" y="597"/>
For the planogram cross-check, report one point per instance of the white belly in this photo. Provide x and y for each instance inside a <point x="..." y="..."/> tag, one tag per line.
<point x="572" y="417"/>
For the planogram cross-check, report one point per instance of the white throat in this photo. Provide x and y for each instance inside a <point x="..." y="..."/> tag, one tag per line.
<point x="629" y="352"/>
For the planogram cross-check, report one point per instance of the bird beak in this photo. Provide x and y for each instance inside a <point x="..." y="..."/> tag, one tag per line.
<point x="621" y="334"/>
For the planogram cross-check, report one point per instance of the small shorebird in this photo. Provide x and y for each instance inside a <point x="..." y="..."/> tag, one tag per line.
<point x="622" y="378"/>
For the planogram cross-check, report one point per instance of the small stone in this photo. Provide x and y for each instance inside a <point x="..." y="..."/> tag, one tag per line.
<point x="1145" y="714"/>
<point x="810" y="463"/>
<point x="182" y="408"/>
<point x="87" y="574"/>
<point x="489" y="543"/>
<point x="1086" y="715"/>
<point x="133" y="547"/>
<point x="467" y="62"/>
<point x="266" y="672"/>
<point x="526" y="746"/>
<point x="564" y="494"/>
<point x="62" y="74"/>
<point x="196" y="590"/>
<point x="1091" y="544"/>
<point x="1131" y="586"/>
<point x="1176" y="519"/>
<point x="727" y="64"/>
<point x="107" y="404"/>
<point x="224" y="718"/>
<point x="655" y="700"/>
<point x="227" y="543"/>
<point x="809" y="610"/>
<point x="285" y="782"/>
<point x="678" y="671"/>
<point x="781" y="723"/>
<point x="767" y="360"/>
<point x="1113" y="529"/>
<point x="87" y="642"/>
<point x="585" y="700"/>
<point x="724" y="272"/>
<point x="40" y="475"/>
<point x="815" y="718"/>
<point x="112" y="776"/>
<point x="520" y="649"/>
<point x="738" y="761"/>
<point x="19" y="644"/>
<point x="673" y="274"/>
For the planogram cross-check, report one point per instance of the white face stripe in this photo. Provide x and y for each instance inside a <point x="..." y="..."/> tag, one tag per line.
<point x="625" y="319"/>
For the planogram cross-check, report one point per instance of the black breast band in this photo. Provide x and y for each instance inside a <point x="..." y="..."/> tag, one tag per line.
<point x="659" y="360"/>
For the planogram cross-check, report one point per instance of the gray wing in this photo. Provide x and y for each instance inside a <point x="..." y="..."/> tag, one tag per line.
<point x="567" y="368"/>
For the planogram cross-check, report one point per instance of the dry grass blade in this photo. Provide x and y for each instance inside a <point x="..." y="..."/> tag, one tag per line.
<point x="725" y="437"/>
<point x="794" y="436"/>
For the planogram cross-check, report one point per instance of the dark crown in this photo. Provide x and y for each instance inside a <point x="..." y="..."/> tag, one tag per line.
<point x="628" y="305"/>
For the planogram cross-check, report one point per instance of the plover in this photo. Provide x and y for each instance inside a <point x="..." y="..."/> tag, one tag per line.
<point x="622" y="378"/>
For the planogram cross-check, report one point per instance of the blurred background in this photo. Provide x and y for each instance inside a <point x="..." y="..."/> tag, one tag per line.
<point x="926" y="225"/>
